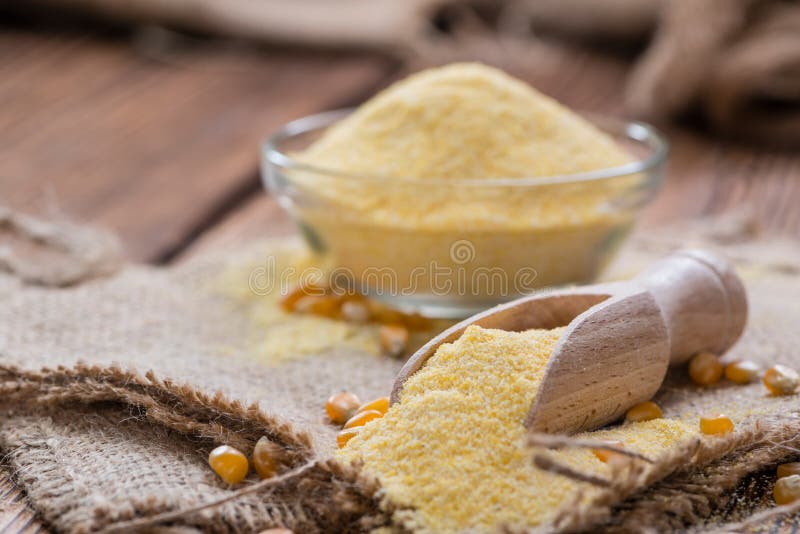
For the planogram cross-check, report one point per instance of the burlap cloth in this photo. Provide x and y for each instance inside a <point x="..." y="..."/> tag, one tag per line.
<point x="116" y="387"/>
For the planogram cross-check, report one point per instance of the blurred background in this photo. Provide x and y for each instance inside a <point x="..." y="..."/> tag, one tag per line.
<point x="145" y="116"/>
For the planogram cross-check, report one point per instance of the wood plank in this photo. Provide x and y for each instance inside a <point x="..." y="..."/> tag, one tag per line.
<point x="150" y="148"/>
<point x="15" y="513"/>
<point x="259" y="217"/>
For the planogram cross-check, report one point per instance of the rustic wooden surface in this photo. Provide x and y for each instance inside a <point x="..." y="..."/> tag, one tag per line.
<point x="156" y="138"/>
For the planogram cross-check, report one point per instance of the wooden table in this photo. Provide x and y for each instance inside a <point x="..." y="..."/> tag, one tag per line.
<point x="158" y="140"/>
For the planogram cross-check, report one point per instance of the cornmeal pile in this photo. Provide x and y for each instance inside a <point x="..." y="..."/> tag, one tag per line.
<point x="463" y="121"/>
<point x="408" y="152"/>
<point x="452" y="449"/>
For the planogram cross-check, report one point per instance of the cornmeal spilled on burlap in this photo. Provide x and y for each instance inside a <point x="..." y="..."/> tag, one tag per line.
<point x="115" y="388"/>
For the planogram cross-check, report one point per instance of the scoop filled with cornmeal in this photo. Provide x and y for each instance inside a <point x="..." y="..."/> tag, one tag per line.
<point x="452" y="453"/>
<point x="451" y="448"/>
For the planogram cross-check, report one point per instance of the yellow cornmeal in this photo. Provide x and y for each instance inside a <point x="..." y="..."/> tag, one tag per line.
<point x="273" y="336"/>
<point x="410" y="146"/>
<point x="452" y="448"/>
<point x="463" y="121"/>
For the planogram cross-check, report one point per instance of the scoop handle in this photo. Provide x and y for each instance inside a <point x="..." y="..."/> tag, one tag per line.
<point x="702" y="300"/>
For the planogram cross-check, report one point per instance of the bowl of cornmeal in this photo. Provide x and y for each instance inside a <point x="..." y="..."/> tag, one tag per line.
<point x="461" y="187"/>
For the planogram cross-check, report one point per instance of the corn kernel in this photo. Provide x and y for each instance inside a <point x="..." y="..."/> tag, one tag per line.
<point x="605" y="455"/>
<point x="381" y="404"/>
<point x="323" y="305"/>
<point x="289" y="301"/>
<point x="362" y="418"/>
<point x="644" y="411"/>
<point x="787" y="489"/>
<point x="342" y="406"/>
<point x="355" y="311"/>
<point x="716" y="425"/>
<point x="417" y="322"/>
<point x="743" y="372"/>
<point x="781" y="380"/>
<point x="786" y="470"/>
<point x="230" y="464"/>
<point x="705" y="369"/>
<point x="276" y="531"/>
<point x="394" y="339"/>
<point x="266" y="455"/>
<point x="346" y="435"/>
<point x="384" y="315"/>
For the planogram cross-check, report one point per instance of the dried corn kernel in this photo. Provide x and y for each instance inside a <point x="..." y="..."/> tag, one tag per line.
<point x="743" y="372"/>
<point x="362" y="418"/>
<point x="787" y="489"/>
<point x="384" y="315"/>
<point x="276" y="531"/>
<point x="705" y="369"/>
<point x="355" y="311"/>
<point x="416" y="321"/>
<point x="346" y="435"/>
<point x="342" y="406"/>
<point x="781" y="380"/>
<point x="716" y="425"/>
<point x="230" y="464"/>
<point x="266" y="456"/>
<point x="605" y="455"/>
<point x="644" y="411"/>
<point x="786" y="470"/>
<point x="324" y="305"/>
<point x="394" y="339"/>
<point x="381" y="404"/>
<point x="289" y="301"/>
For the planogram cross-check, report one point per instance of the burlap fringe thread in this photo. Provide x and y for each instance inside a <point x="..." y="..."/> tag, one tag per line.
<point x="688" y="494"/>
<point x="676" y="492"/>
<point x="345" y="499"/>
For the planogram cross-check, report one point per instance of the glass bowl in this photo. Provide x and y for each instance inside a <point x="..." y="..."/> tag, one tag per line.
<point x="449" y="248"/>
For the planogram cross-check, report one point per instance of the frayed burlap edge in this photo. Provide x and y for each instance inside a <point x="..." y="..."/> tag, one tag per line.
<point x="672" y="492"/>
<point x="333" y="496"/>
<point x="180" y="407"/>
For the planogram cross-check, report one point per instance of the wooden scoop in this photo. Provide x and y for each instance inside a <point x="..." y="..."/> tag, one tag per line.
<point x="620" y="337"/>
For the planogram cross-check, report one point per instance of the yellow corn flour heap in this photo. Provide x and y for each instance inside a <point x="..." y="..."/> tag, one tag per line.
<point x="409" y="150"/>
<point x="463" y="121"/>
<point x="452" y="448"/>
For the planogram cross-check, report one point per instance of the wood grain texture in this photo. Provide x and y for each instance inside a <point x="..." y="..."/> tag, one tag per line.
<point x="16" y="516"/>
<point x="259" y="217"/>
<point x="151" y="140"/>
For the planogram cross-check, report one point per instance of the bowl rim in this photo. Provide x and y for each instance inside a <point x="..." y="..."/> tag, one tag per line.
<point x="637" y="131"/>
